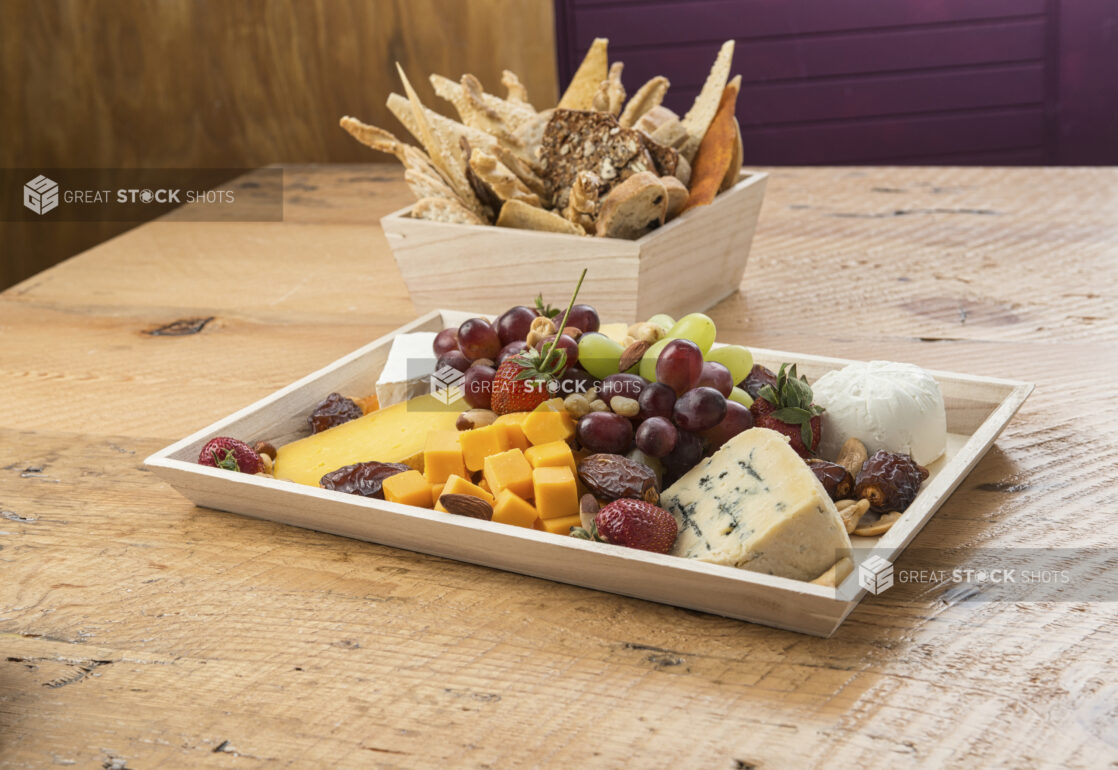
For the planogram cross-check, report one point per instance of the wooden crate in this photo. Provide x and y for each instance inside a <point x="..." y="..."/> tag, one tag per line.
<point x="688" y="265"/>
<point x="977" y="410"/>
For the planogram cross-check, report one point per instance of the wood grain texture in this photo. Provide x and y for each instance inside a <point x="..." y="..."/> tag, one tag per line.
<point x="211" y="84"/>
<point x="136" y="628"/>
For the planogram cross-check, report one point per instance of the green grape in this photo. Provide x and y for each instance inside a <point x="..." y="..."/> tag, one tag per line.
<point x="743" y="398"/>
<point x="598" y="354"/>
<point x="735" y="358"/>
<point x="696" y="327"/>
<point x="662" y="320"/>
<point x="648" y="363"/>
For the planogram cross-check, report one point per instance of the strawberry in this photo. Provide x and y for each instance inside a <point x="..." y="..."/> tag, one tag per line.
<point x="231" y="454"/>
<point x="633" y="524"/>
<point x="524" y="381"/>
<point x="787" y="408"/>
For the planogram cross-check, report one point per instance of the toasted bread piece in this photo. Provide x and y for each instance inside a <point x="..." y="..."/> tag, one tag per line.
<point x="425" y="185"/>
<point x="527" y="217"/>
<point x="683" y="172"/>
<point x="443" y="210"/>
<point x="716" y="151"/>
<point x="647" y="97"/>
<point x="698" y="118"/>
<point x="677" y="196"/>
<point x="734" y="171"/>
<point x="516" y="90"/>
<point x="671" y="133"/>
<point x="373" y="136"/>
<point x="654" y="118"/>
<point x="633" y="208"/>
<point x="499" y="181"/>
<point x="665" y="158"/>
<point x="611" y="94"/>
<point x="584" y="200"/>
<point x="588" y="78"/>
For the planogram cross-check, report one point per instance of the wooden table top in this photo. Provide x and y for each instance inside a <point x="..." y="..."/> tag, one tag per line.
<point x="138" y="631"/>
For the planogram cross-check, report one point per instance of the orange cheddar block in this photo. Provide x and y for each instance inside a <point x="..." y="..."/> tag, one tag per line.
<point x="562" y="525"/>
<point x="548" y="422"/>
<point x="513" y="435"/>
<point x="479" y="443"/>
<point x="551" y="454"/>
<point x="456" y="485"/>
<point x="442" y="456"/>
<point x="409" y="488"/>
<point x="437" y="491"/>
<point x="512" y="509"/>
<point x="509" y="470"/>
<point x="555" y="492"/>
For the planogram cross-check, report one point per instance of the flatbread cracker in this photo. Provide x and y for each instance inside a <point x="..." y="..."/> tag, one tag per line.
<point x="611" y="94"/>
<point x="527" y="217"/>
<point x="498" y="181"/>
<point x="373" y="136"/>
<point x="715" y="152"/>
<point x="698" y="118"/>
<point x="733" y="173"/>
<point x="588" y="78"/>
<point x="424" y="185"/>
<point x="516" y="90"/>
<point x="648" y="96"/>
<point x="442" y="210"/>
<point x="401" y="108"/>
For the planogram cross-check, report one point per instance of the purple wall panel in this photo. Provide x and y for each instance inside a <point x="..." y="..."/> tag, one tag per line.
<point x="952" y="81"/>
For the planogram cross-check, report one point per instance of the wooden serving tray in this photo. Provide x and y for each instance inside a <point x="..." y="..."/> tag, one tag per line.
<point x="978" y="408"/>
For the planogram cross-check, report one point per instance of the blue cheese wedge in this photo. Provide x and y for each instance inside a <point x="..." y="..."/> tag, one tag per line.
<point x="407" y="372"/>
<point x="756" y="505"/>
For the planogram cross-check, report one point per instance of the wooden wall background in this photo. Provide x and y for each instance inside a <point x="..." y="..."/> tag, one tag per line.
<point x="217" y="84"/>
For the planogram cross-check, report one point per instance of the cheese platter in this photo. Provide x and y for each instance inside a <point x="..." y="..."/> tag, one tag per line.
<point x="491" y="513"/>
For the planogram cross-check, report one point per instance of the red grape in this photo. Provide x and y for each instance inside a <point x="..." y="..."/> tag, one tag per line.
<point x="699" y="409"/>
<point x="717" y="376"/>
<point x="514" y="324"/>
<point x="605" y="432"/>
<point x="625" y="385"/>
<point x="511" y="349"/>
<point x="656" y="400"/>
<point x="685" y="456"/>
<point x="445" y="341"/>
<point x="656" y="436"/>
<point x="565" y="343"/>
<point x="679" y="366"/>
<point x="738" y="418"/>
<point x="576" y="380"/>
<point x="454" y="359"/>
<point x="584" y="317"/>
<point x="478" y="386"/>
<point x="477" y="339"/>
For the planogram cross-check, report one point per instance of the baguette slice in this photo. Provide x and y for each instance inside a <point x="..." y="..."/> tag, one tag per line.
<point x="633" y="208"/>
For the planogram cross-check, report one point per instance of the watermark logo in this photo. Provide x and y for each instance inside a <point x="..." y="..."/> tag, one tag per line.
<point x="446" y="384"/>
<point x="41" y="194"/>
<point x="875" y="575"/>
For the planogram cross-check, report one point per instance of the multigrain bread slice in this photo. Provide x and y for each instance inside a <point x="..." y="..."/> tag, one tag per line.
<point x="633" y="208"/>
<point x="524" y="216"/>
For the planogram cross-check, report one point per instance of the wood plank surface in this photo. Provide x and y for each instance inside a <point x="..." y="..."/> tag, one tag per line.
<point x="138" y="631"/>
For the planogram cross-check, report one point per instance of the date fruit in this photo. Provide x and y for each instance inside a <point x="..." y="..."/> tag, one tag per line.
<point x="333" y="410"/>
<point x="835" y="479"/>
<point x="363" y="479"/>
<point x="889" y="481"/>
<point x="612" y="477"/>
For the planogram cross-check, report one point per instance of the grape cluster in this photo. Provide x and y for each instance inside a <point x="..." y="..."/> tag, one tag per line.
<point x="477" y="348"/>
<point x="687" y="402"/>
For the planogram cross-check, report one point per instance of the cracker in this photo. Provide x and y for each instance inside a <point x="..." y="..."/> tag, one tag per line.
<point x="401" y="108"/>
<point x="648" y="96"/>
<point x="424" y="185"/>
<point x="733" y="173"/>
<point x="698" y="118"/>
<point x="527" y="217"/>
<point x="588" y="78"/>
<point x="611" y="94"/>
<point x="516" y="90"/>
<point x="715" y="152"/>
<point x="498" y="181"/>
<point x="442" y="210"/>
<point x="373" y="136"/>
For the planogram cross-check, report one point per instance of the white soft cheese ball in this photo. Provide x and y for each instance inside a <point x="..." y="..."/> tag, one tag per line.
<point x="890" y="406"/>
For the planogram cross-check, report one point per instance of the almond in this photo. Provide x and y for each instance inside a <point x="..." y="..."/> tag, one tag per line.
<point x="588" y="508"/>
<point x="632" y="355"/>
<point x="467" y="505"/>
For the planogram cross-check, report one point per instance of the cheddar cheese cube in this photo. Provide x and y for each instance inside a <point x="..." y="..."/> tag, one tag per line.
<point x="408" y="488"/>
<point x="512" y="433"/>
<point x="456" y="485"/>
<point x="479" y="443"/>
<point x="437" y="491"/>
<point x="548" y="422"/>
<point x="442" y="456"/>
<point x="509" y="470"/>
<point x="551" y="454"/>
<point x="556" y="494"/>
<point x="562" y="525"/>
<point x="512" y="509"/>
